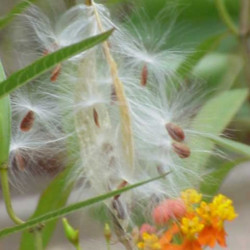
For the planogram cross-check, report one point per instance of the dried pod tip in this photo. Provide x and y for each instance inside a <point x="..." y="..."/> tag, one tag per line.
<point x="27" y="122"/>
<point x="175" y="132"/>
<point x="181" y="149"/>
<point x="144" y="75"/>
<point x="55" y="73"/>
<point x="118" y="207"/>
<point x="96" y="118"/>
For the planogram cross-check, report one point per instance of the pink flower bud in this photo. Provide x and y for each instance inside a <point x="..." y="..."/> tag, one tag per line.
<point x="146" y="228"/>
<point x="160" y="215"/>
<point x="175" y="207"/>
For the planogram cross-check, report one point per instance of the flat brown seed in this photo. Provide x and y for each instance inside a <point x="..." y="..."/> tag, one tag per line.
<point x="55" y="73"/>
<point x="20" y="162"/>
<point x="175" y="132"/>
<point x="181" y="149"/>
<point x="113" y="95"/>
<point x="27" y="122"/>
<point x="144" y="75"/>
<point x="96" y="118"/>
<point x="121" y="185"/>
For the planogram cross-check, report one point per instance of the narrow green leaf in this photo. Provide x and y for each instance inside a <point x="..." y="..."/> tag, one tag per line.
<point x="233" y="146"/>
<point x="213" y="118"/>
<point x="45" y="63"/>
<point x="212" y="182"/>
<point x="55" y="196"/>
<point x="191" y="61"/>
<point x="5" y="124"/>
<point x="19" y="8"/>
<point x="71" y="208"/>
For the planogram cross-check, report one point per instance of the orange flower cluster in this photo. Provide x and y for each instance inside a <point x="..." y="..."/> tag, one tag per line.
<point x="187" y="223"/>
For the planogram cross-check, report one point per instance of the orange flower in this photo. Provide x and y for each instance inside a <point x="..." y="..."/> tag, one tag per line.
<point x="166" y="238"/>
<point x="213" y="215"/>
<point x="209" y="235"/>
<point x="191" y="245"/>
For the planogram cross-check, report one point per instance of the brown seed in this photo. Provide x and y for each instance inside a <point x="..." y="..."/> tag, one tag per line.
<point x="20" y="162"/>
<point x="175" y="132"/>
<point x="55" y="73"/>
<point x="160" y="169"/>
<point x="113" y="95"/>
<point x="121" y="185"/>
<point x="181" y="149"/>
<point x="96" y="118"/>
<point x="144" y="75"/>
<point x="27" y="122"/>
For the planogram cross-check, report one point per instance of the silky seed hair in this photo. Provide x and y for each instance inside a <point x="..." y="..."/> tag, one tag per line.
<point x="77" y="104"/>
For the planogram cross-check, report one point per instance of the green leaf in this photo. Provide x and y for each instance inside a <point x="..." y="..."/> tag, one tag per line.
<point x="45" y="63"/>
<point x="71" y="208"/>
<point x="19" y="8"/>
<point x="213" y="118"/>
<point x="233" y="146"/>
<point x="5" y="124"/>
<point x="191" y="61"/>
<point x="55" y="196"/>
<point x="212" y="182"/>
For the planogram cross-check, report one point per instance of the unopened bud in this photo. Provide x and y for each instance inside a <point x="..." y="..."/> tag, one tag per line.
<point x="181" y="149"/>
<point x="71" y="234"/>
<point x="27" y="122"/>
<point x="107" y="232"/>
<point x="175" y="132"/>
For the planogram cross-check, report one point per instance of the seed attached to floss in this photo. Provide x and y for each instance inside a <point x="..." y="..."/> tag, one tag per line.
<point x="175" y="132"/>
<point x="20" y="162"/>
<point x="96" y="118"/>
<point x="121" y="185"/>
<point x="55" y="73"/>
<point x="144" y="75"/>
<point x="113" y="95"/>
<point x="181" y="149"/>
<point x="27" y="122"/>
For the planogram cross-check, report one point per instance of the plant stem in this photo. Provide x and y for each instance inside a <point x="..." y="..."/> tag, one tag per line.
<point x="38" y="239"/>
<point x="78" y="247"/>
<point x="245" y="35"/>
<point x="226" y="17"/>
<point x="6" y="195"/>
<point x="108" y="245"/>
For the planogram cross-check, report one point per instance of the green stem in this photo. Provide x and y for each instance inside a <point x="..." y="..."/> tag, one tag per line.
<point x="78" y="247"/>
<point x="244" y="36"/>
<point x="108" y="245"/>
<point x="38" y="239"/>
<point x="226" y="17"/>
<point x="6" y="195"/>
